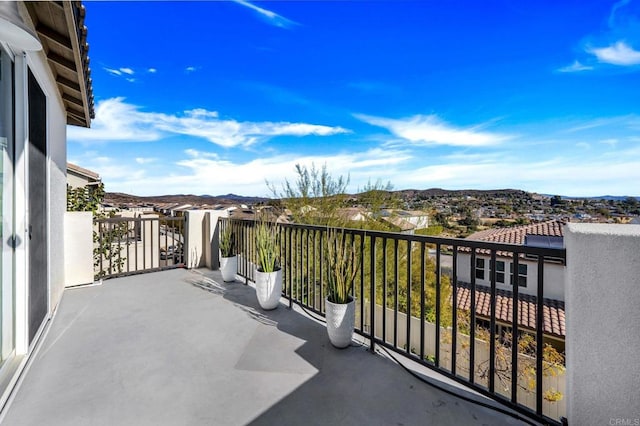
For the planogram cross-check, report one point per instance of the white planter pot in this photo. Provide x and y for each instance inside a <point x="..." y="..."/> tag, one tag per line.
<point x="228" y="267"/>
<point x="341" y="319"/>
<point x="269" y="289"/>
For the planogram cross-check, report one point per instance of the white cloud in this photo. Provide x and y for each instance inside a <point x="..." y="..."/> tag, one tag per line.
<point x="201" y="172"/>
<point x="575" y="67"/>
<point x="630" y="121"/>
<point x="142" y="160"/>
<point x="190" y="69"/>
<point x="583" y="145"/>
<point x="152" y="70"/>
<point x="118" y="121"/>
<point x="557" y="176"/>
<point x="120" y="71"/>
<point x="131" y="80"/>
<point x="270" y="17"/>
<point x="617" y="54"/>
<point x="431" y="130"/>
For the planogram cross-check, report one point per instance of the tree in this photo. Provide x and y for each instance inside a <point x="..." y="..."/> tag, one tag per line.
<point x="556" y="200"/>
<point x="315" y="197"/>
<point x="378" y="196"/>
<point x="85" y="198"/>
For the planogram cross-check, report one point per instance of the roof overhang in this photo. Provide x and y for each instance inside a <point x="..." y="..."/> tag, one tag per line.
<point x="61" y="30"/>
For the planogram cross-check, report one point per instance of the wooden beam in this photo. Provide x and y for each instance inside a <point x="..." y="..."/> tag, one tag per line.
<point x="74" y="121"/>
<point x="75" y="114"/>
<point x="63" y="62"/>
<point x="68" y="83"/>
<point x="73" y="100"/>
<point x="54" y="36"/>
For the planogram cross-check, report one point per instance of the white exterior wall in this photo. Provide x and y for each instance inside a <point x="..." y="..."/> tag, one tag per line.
<point x="419" y="222"/>
<point x="603" y="341"/>
<point x="554" y="276"/>
<point x="201" y="246"/>
<point x="78" y="248"/>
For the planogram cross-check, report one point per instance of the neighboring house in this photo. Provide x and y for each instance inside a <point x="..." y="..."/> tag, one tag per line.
<point x="78" y="177"/>
<point x="44" y="85"/>
<point x="545" y="234"/>
<point x="406" y="221"/>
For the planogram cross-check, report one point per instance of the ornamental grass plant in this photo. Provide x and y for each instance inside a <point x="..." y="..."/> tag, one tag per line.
<point x="267" y="247"/>
<point x="343" y="257"/>
<point x="227" y="241"/>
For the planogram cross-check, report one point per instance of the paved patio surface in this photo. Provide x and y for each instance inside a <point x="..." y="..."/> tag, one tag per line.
<point x="181" y="347"/>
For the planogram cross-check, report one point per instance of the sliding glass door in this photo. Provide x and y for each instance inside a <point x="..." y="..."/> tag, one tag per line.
<point x="7" y="288"/>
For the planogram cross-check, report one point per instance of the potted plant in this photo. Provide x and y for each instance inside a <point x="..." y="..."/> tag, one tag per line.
<point x="269" y="273"/>
<point x="228" y="258"/>
<point x="343" y="264"/>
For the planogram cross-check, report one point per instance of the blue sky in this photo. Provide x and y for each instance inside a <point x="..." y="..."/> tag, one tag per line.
<point x="215" y="97"/>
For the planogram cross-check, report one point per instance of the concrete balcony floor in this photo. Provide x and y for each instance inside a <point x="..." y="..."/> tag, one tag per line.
<point x="183" y="348"/>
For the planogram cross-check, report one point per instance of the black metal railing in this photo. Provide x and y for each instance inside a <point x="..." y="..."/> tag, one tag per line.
<point x="125" y="246"/>
<point x="428" y="299"/>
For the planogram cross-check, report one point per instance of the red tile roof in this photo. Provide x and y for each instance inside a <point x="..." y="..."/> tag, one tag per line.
<point x="553" y="310"/>
<point x="516" y="234"/>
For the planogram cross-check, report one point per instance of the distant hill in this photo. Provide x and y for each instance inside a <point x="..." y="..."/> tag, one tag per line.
<point x="117" y="198"/>
<point x="601" y="197"/>
<point x="439" y="192"/>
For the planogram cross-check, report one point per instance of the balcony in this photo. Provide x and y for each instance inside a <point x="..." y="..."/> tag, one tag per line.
<point x="179" y="346"/>
<point x="182" y="347"/>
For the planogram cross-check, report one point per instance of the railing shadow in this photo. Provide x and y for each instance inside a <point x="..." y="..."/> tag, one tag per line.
<point x="342" y="387"/>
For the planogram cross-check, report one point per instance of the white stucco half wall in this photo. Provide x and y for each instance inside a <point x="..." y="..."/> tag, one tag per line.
<point x="603" y="320"/>
<point x="78" y="248"/>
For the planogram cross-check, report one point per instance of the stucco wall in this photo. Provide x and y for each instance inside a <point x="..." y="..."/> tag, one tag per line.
<point x="78" y="248"/>
<point x="201" y="246"/>
<point x="603" y="314"/>
<point x="554" y="276"/>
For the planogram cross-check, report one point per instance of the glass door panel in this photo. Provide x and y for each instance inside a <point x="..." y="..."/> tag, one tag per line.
<point x="7" y="293"/>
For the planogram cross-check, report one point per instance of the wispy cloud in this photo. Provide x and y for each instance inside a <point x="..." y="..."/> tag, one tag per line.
<point x="124" y="72"/>
<point x="190" y="69"/>
<point x="112" y="71"/>
<point x="614" y="10"/>
<point x="431" y="130"/>
<point x="270" y="17"/>
<point x="575" y="67"/>
<point x="117" y="120"/>
<point x="619" y="53"/>
<point x="583" y="145"/>
<point x="142" y="160"/>
<point x="152" y="70"/>
<point x="631" y="122"/>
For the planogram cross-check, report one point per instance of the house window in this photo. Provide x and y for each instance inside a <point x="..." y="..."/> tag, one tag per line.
<point x="480" y="269"/>
<point x="522" y="274"/>
<point x="500" y="271"/>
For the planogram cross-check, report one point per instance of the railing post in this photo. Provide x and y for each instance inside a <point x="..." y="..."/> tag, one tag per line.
<point x="372" y="295"/>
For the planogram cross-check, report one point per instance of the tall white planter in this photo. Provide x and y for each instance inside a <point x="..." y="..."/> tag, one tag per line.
<point x="269" y="289"/>
<point x="341" y="320"/>
<point x="228" y="267"/>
